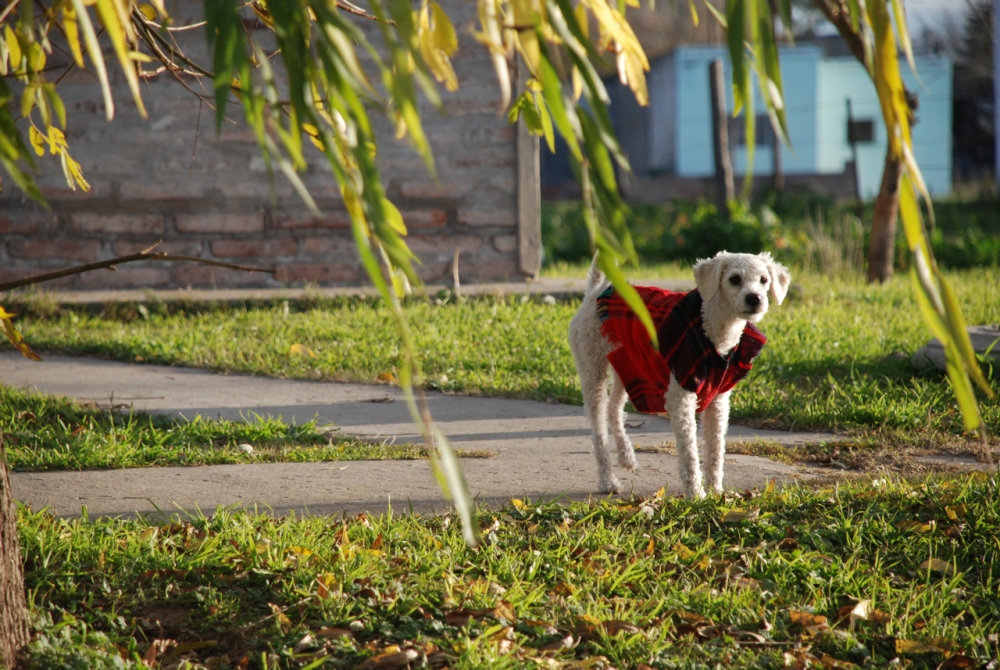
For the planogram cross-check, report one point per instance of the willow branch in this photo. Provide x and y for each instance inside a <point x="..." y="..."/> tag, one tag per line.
<point x="147" y="255"/>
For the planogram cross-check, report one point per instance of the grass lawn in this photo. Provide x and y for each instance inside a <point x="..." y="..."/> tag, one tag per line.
<point x="838" y="356"/>
<point x="876" y="574"/>
<point x="47" y="433"/>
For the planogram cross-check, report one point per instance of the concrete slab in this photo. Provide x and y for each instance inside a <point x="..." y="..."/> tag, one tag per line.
<point x="541" y="449"/>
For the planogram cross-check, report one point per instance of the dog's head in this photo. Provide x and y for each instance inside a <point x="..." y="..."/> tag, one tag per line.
<point x="742" y="282"/>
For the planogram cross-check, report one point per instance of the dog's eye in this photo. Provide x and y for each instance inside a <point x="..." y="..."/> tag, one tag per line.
<point x="763" y="280"/>
<point x="735" y="280"/>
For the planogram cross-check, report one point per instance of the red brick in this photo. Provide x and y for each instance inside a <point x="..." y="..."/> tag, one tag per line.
<point x="496" y="270"/>
<point x="173" y="247"/>
<point x="15" y="273"/>
<point x="505" y="243"/>
<point x="424" y="189"/>
<point x="27" y="223"/>
<point x="487" y="217"/>
<point x="317" y="273"/>
<point x="336" y="247"/>
<point x="63" y="193"/>
<point x="125" y="277"/>
<point x="498" y="161"/>
<point x="287" y="220"/>
<point x="143" y="190"/>
<point x="255" y="248"/>
<point x="443" y="245"/>
<point x="206" y="276"/>
<point x="220" y="223"/>
<point x="425" y="218"/>
<point x="137" y="224"/>
<point x="81" y="251"/>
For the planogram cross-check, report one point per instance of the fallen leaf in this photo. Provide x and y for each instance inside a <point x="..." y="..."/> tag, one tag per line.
<point x="392" y="659"/>
<point x="739" y="515"/>
<point x="565" y="643"/>
<point x="280" y="617"/>
<point x="614" y="627"/>
<point x="301" y="350"/>
<point x="831" y="663"/>
<point x="683" y="552"/>
<point x="957" y="661"/>
<point x="956" y="512"/>
<point x="912" y="526"/>
<point x="912" y="647"/>
<point x="805" y="619"/>
<point x="937" y="565"/>
<point x="304" y="643"/>
<point x="519" y="504"/>
<point x="156" y="647"/>
<point x="333" y="633"/>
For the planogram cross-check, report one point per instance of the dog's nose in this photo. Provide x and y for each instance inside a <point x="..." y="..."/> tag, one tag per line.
<point x="752" y="300"/>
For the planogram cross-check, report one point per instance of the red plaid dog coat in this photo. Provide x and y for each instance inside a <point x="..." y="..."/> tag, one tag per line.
<point x="685" y="350"/>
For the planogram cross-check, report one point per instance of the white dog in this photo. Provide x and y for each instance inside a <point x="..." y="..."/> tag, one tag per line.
<point x="707" y="343"/>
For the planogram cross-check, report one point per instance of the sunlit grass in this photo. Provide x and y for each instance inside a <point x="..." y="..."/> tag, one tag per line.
<point x="46" y="433"/>
<point x="669" y="584"/>
<point x="838" y="356"/>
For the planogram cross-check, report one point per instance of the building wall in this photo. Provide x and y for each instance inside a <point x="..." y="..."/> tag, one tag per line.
<point x="844" y="78"/>
<point x="171" y="177"/>
<point x="816" y="90"/>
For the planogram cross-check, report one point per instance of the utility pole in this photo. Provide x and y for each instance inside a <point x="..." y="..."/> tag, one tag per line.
<point x="852" y="138"/>
<point x="996" y="87"/>
<point x="778" y="168"/>
<point x="724" y="188"/>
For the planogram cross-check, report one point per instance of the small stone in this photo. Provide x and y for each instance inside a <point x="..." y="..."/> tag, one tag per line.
<point x="549" y="300"/>
<point x="356" y="626"/>
<point x="983" y="339"/>
<point x="245" y="448"/>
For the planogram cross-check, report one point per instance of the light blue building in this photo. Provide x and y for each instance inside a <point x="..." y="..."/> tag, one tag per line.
<point x="673" y="135"/>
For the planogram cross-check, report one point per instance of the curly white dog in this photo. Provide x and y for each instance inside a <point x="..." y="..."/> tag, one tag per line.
<point x="707" y="343"/>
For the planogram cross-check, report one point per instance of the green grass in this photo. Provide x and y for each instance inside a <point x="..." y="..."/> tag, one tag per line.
<point x="47" y="433"/>
<point x="662" y="583"/>
<point x="837" y="358"/>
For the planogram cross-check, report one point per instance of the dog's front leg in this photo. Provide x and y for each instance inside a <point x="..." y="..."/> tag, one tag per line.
<point x="682" y="406"/>
<point x="715" y="424"/>
<point x="616" y="417"/>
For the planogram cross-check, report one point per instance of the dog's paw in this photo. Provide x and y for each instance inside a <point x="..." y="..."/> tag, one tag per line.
<point x="626" y="454"/>
<point x="610" y="486"/>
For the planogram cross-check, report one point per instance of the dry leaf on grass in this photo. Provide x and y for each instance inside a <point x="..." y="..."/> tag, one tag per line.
<point x="739" y="515"/>
<point x="937" y="565"/>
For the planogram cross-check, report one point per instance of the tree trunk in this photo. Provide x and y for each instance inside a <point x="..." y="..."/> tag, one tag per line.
<point x="13" y="607"/>
<point x="882" y="247"/>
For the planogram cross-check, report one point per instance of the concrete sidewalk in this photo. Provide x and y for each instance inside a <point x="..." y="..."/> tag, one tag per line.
<point x="541" y="449"/>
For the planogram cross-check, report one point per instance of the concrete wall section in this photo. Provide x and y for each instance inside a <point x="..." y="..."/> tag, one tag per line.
<point x="173" y="178"/>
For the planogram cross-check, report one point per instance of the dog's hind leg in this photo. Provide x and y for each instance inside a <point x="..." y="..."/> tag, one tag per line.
<point x="593" y="382"/>
<point x="616" y="417"/>
<point x="715" y="424"/>
<point x="682" y="406"/>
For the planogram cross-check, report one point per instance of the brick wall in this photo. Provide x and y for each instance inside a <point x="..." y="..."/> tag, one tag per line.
<point x="171" y="177"/>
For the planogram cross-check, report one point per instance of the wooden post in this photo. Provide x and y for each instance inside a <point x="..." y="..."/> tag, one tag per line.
<point x="529" y="192"/>
<point x="778" y="168"/>
<point x="724" y="188"/>
<point x="853" y="140"/>
<point x="996" y="87"/>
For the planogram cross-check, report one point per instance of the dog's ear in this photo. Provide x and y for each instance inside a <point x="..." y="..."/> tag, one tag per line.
<point x="780" y="278"/>
<point x="708" y="275"/>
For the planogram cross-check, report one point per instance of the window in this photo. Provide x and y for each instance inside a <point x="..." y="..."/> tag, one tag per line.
<point x="861" y="131"/>
<point x="762" y="129"/>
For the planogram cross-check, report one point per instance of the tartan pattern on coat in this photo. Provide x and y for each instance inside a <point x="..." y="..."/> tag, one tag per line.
<point x="685" y="350"/>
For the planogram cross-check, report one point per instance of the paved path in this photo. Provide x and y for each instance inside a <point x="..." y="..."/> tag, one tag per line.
<point x="542" y="449"/>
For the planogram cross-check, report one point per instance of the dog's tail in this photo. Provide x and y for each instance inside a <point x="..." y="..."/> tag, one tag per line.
<point x="594" y="277"/>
